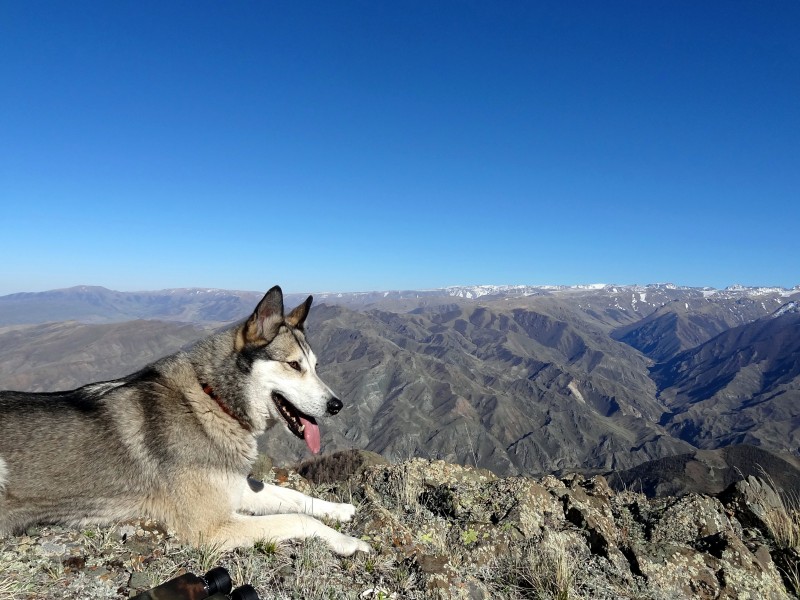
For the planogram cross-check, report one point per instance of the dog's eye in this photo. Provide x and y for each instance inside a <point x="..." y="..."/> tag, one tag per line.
<point x="295" y="365"/>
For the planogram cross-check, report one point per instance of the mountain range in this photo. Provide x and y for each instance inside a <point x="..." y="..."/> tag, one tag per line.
<point x="517" y="379"/>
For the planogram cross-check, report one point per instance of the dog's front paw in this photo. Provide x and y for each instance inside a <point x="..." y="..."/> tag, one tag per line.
<point x="338" y="512"/>
<point x="342" y="512"/>
<point x="347" y="546"/>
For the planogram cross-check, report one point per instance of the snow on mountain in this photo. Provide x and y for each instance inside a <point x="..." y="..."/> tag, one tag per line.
<point x="478" y="291"/>
<point x="789" y="307"/>
<point x="756" y="291"/>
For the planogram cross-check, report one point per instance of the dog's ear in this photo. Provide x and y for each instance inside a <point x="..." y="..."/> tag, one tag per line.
<point x="266" y="319"/>
<point x="297" y="317"/>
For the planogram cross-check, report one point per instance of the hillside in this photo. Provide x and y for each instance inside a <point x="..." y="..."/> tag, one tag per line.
<point x="742" y="386"/>
<point x="463" y="381"/>
<point x="709" y="472"/>
<point x="93" y="304"/>
<point x="62" y="356"/>
<point x="683" y="324"/>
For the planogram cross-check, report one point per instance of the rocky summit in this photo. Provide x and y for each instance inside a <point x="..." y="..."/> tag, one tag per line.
<point x="441" y="530"/>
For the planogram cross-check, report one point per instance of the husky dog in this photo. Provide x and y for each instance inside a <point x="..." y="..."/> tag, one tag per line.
<point x="175" y="441"/>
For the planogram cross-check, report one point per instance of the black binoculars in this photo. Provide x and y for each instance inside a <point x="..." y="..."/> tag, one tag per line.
<point x="214" y="585"/>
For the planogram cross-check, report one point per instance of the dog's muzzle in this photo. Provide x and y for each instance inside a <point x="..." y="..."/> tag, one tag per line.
<point x="334" y="406"/>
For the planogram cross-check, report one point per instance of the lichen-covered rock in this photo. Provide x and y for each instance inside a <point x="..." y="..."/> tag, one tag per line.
<point x="676" y="570"/>
<point x="440" y="530"/>
<point x="688" y="519"/>
<point x="594" y="515"/>
<point x="671" y="547"/>
<point x="753" y="500"/>
<point x="743" y="574"/>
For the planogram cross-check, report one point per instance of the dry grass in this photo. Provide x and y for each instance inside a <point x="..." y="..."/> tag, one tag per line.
<point x="791" y="575"/>
<point x="544" y="569"/>
<point x="10" y="590"/>
<point x="782" y="519"/>
<point x="783" y="522"/>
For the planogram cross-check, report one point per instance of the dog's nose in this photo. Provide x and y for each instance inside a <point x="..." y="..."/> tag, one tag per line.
<point x="334" y="406"/>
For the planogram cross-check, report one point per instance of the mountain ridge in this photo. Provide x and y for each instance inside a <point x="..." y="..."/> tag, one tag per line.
<point x="518" y="382"/>
<point x="97" y="304"/>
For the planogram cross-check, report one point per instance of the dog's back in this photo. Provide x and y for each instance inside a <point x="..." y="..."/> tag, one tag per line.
<point x="113" y="450"/>
<point x="63" y="459"/>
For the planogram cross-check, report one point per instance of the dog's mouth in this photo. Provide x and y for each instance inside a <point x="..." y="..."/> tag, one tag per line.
<point x="301" y="425"/>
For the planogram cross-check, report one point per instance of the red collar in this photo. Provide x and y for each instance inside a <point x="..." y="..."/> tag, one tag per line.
<point x="208" y="390"/>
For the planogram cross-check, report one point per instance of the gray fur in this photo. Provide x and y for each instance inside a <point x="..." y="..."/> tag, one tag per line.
<point x="156" y="444"/>
<point x="3" y="475"/>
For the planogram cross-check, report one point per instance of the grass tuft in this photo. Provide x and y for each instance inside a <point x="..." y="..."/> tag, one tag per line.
<point x="542" y="569"/>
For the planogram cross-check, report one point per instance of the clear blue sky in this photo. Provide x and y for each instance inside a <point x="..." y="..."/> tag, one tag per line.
<point x="369" y="145"/>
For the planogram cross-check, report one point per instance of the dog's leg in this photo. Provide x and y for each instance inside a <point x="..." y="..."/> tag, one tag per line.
<point x="202" y="513"/>
<point x="242" y="530"/>
<point x="273" y="499"/>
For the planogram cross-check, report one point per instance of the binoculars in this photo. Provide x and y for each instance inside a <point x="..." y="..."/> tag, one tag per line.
<point x="214" y="585"/>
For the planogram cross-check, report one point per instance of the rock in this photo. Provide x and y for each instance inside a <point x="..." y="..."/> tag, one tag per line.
<point x="587" y="505"/>
<point x="139" y="581"/>
<point x="688" y="547"/>
<point x="74" y="563"/>
<point x="676" y="570"/>
<point x="694" y="552"/>
<point x="261" y="469"/>
<point x="339" y="466"/>
<point x="754" y="501"/>
<point x="688" y="519"/>
<point x="440" y="530"/>
<point x="432" y="563"/>
<point x="52" y="549"/>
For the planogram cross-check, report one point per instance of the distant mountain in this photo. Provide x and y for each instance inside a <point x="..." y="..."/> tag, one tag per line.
<point x="742" y="386"/>
<point x="686" y="323"/>
<point x="519" y="379"/>
<point x="63" y="356"/>
<point x="608" y="305"/>
<point x="91" y="304"/>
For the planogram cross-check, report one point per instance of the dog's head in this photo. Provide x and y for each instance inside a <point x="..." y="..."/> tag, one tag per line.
<point x="283" y="384"/>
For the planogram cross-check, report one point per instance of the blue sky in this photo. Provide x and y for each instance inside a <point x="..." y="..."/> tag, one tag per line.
<point x="341" y="146"/>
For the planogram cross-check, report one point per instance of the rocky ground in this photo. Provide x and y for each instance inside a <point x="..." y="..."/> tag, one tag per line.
<point x="441" y="530"/>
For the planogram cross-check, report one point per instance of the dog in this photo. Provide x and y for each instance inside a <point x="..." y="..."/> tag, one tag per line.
<point x="175" y="441"/>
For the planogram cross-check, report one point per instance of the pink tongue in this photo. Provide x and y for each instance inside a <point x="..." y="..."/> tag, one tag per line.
<point x="311" y="435"/>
